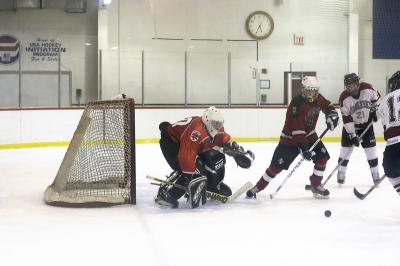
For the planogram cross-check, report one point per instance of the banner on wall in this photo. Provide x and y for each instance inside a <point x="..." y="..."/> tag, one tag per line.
<point x="45" y="50"/>
<point x="386" y="30"/>
<point x="9" y="49"/>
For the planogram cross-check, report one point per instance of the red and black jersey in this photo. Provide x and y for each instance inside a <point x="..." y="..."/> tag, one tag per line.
<point x="301" y="119"/>
<point x="193" y="139"/>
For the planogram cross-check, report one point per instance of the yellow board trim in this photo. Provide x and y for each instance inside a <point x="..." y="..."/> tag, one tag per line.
<point x="143" y="141"/>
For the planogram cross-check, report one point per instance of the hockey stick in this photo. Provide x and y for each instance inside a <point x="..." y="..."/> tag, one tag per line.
<point x="363" y="196"/>
<point x="210" y="195"/>
<point x="165" y="182"/>
<point x="240" y="191"/>
<point x="297" y="165"/>
<point x="308" y="187"/>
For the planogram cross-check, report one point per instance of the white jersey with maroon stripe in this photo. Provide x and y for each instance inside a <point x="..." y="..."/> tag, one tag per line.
<point x="389" y="113"/>
<point x="356" y="110"/>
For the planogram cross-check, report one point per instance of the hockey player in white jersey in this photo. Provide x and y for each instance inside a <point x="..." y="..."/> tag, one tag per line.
<point x="358" y="103"/>
<point x="389" y="113"/>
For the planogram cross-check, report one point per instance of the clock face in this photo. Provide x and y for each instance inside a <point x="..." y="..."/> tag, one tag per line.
<point x="259" y="25"/>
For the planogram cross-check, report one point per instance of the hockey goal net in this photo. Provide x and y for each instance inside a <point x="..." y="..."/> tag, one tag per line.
<point x="99" y="165"/>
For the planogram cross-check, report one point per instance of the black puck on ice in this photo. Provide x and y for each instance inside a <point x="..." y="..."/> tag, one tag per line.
<point x="327" y="213"/>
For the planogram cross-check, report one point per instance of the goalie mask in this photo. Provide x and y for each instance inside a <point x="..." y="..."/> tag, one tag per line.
<point x="310" y="88"/>
<point x="394" y="82"/>
<point x="213" y="120"/>
<point x="352" y="83"/>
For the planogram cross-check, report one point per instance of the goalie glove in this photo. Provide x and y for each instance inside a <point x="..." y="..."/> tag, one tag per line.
<point x="243" y="158"/>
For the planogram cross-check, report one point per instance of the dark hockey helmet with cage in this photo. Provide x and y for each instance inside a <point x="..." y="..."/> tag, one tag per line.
<point x="394" y="82"/>
<point x="352" y="83"/>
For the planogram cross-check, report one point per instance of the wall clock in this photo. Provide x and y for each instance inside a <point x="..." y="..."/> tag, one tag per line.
<point x="259" y="25"/>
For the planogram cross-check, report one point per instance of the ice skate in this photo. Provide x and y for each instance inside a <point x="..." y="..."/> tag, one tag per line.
<point x="319" y="192"/>
<point x="165" y="200"/>
<point x="252" y="193"/>
<point x="341" y="176"/>
<point x="222" y="189"/>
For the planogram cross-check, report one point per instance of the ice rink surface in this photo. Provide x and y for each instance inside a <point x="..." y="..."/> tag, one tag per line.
<point x="288" y="230"/>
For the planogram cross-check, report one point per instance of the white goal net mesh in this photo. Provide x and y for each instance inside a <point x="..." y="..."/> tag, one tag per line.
<point x="99" y="165"/>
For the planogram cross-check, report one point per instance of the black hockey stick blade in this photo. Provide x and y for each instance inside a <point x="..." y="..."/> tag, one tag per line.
<point x="359" y="195"/>
<point x="363" y="196"/>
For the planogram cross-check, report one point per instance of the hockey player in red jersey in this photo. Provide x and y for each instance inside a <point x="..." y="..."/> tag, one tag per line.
<point x="190" y="147"/>
<point x="389" y="113"/>
<point x="299" y="134"/>
<point x="358" y="103"/>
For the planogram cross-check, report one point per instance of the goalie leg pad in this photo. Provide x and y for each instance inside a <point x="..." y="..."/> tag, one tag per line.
<point x="197" y="192"/>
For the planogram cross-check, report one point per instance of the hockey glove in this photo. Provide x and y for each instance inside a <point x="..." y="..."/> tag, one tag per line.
<point x="354" y="140"/>
<point x="332" y="120"/>
<point x="232" y="148"/>
<point x="305" y="153"/>
<point x="243" y="158"/>
<point x="373" y="116"/>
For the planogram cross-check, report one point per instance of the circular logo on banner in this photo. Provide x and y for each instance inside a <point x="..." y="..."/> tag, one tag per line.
<point x="9" y="49"/>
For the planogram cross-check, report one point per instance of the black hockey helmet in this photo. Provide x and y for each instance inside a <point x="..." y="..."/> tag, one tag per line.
<point x="352" y="83"/>
<point x="394" y="82"/>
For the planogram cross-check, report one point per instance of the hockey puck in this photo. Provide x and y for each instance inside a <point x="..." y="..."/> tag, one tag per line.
<point x="327" y="213"/>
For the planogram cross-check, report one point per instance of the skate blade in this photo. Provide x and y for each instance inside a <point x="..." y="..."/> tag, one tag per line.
<point x="319" y="196"/>
<point x="164" y="204"/>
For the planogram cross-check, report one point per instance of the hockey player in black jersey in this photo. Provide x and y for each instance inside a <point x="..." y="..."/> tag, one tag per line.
<point x="389" y="113"/>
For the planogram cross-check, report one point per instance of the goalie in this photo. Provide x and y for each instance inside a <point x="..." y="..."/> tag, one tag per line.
<point x="195" y="149"/>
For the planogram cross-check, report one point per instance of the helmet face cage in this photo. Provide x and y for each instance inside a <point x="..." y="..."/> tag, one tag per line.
<point x="352" y="83"/>
<point x="217" y="124"/>
<point x="310" y="93"/>
<point x="394" y="82"/>
<point x="310" y="88"/>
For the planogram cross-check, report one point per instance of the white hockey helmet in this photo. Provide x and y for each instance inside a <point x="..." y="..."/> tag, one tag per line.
<point x="310" y="88"/>
<point x="213" y="120"/>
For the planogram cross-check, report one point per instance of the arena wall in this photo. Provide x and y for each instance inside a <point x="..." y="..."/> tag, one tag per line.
<point x="43" y="128"/>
